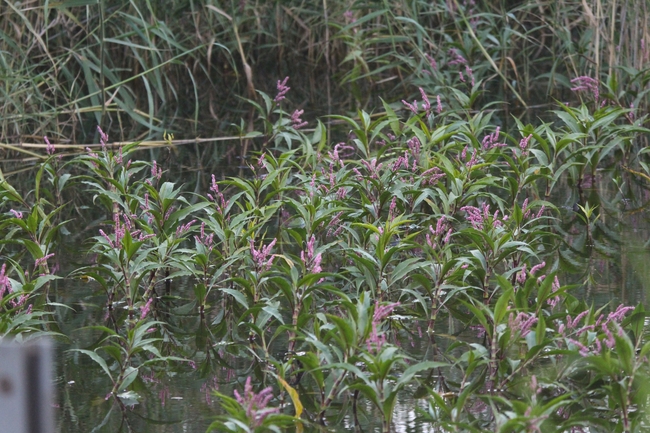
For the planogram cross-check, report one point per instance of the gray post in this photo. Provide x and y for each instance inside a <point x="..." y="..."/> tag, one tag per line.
<point x="26" y="391"/>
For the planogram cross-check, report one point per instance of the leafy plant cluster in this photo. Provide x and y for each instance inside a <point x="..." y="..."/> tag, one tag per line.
<point x="307" y="275"/>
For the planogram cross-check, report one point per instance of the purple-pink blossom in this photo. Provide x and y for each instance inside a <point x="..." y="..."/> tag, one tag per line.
<point x="411" y="106"/>
<point x="282" y="90"/>
<point x="146" y="308"/>
<point x="43" y="260"/>
<point x="50" y="148"/>
<point x="217" y="196"/>
<point x="456" y="58"/>
<point x="537" y="267"/>
<point x="262" y="257"/>
<point x="426" y="105"/>
<point x="296" y="121"/>
<point x="103" y="138"/>
<point x="432" y="62"/>
<point x="554" y="288"/>
<point x="256" y="404"/>
<point x="434" y="235"/>
<point x="470" y="74"/>
<point x="521" y="275"/>
<point x="522" y="322"/>
<point x="204" y="238"/>
<point x="480" y="216"/>
<point x="184" y="228"/>
<point x="5" y="284"/>
<point x="310" y="259"/>
<point x="372" y="167"/>
<point x="588" y="84"/>
<point x="523" y="144"/>
<point x="432" y="176"/>
<point x="155" y="170"/>
<point x="491" y="141"/>
<point x="376" y="340"/>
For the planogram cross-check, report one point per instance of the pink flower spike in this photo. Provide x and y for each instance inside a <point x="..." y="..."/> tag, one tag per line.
<point x="432" y="62"/>
<point x="43" y="260"/>
<point x="261" y="257"/>
<point x="584" y="83"/>
<point x="426" y="105"/>
<point x="255" y="404"/>
<point x="145" y="309"/>
<point x="282" y="90"/>
<point x="296" y="121"/>
<point x="411" y="106"/>
<point x="537" y="267"/>
<point x="50" y="148"/>
<point x="103" y="138"/>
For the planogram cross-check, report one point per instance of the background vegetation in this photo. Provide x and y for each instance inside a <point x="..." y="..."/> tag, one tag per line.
<point x="139" y="68"/>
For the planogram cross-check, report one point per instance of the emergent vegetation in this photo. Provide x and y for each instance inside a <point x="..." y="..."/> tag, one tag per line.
<point x="421" y="253"/>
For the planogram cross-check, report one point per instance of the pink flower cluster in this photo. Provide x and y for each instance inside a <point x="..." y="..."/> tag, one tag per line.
<point x="121" y="229"/>
<point x="432" y="62"/>
<point x="469" y="73"/>
<point x="528" y="212"/>
<point x="602" y="323"/>
<point x="522" y="323"/>
<point x="204" y="238"/>
<point x="426" y="104"/>
<point x="146" y="308"/>
<point x="156" y="171"/>
<point x="522" y="275"/>
<point x="5" y="287"/>
<point x="588" y="84"/>
<point x="282" y="90"/>
<point x="523" y="144"/>
<point x="372" y="167"/>
<point x="296" y="121"/>
<point x="5" y="284"/>
<point x="473" y="160"/>
<point x="309" y="259"/>
<point x="255" y="404"/>
<point x="432" y="176"/>
<point x="43" y="260"/>
<point x="435" y="236"/>
<point x="375" y="339"/>
<point x="491" y="141"/>
<point x="261" y="257"/>
<point x="479" y="216"/>
<point x="335" y="226"/>
<point x="218" y="197"/>
<point x="103" y="138"/>
<point x="456" y="58"/>
<point x="184" y="228"/>
<point x="50" y="148"/>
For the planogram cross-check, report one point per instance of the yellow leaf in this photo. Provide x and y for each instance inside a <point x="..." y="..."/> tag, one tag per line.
<point x="295" y="398"/>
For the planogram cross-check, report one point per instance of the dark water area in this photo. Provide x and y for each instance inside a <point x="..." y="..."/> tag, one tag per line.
<point x="606" y="264"/>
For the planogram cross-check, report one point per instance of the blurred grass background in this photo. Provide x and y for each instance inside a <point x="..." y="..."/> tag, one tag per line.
<point x="142" y="67"/>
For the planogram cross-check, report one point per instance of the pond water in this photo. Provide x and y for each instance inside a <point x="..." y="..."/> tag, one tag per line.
<point x="610" y="264"/>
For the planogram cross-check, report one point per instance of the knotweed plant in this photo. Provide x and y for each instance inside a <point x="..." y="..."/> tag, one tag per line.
<point x="306" y="279"/>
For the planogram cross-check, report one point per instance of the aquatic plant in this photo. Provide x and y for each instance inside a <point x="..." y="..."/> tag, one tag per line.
<point x="420" y="244"/>
<point x="308" y="275"/>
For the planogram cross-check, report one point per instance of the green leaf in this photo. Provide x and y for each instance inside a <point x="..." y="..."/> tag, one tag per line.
<point x="98" y="359"/>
